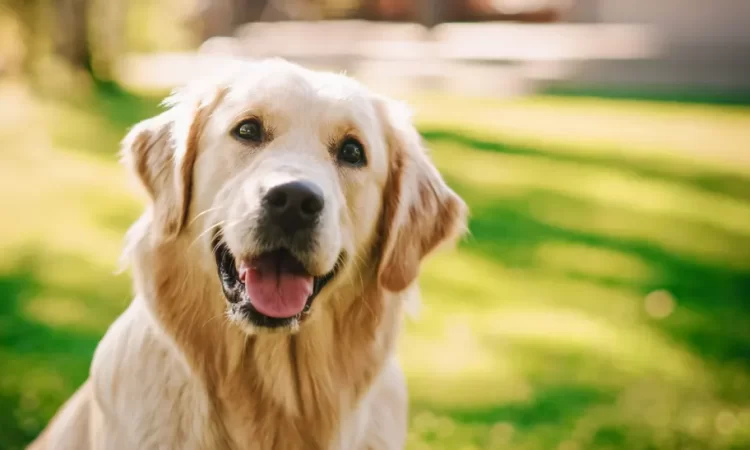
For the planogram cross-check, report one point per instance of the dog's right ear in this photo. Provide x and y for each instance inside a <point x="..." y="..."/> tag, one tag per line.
<point x="148" y="151"/>
<point x="161" y="152"/>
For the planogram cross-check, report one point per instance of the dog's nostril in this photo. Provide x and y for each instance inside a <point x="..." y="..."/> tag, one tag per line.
<point x="277" y="198"/>
<point x="311" y="205"/>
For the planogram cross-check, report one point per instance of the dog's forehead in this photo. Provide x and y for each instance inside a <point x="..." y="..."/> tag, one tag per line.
<point x="285" y="90"/>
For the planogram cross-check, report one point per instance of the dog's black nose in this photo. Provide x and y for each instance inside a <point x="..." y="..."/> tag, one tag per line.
<point x="294" y="206"/>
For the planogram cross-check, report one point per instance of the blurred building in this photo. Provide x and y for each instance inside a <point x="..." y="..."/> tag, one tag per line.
<point x="496" y="47"/>
<point x="433" y="12"/>
<point x="702" y="44"/>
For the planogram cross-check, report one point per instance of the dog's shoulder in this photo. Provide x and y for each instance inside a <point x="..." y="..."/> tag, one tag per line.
<point x="144" y="388"/>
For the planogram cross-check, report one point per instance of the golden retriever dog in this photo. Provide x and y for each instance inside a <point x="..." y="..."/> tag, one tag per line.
<point x="289" y="213"/>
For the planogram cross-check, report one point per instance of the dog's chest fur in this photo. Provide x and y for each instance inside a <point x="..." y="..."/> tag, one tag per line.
<point x="175" y="372"/>
<point x="147" y="396"/>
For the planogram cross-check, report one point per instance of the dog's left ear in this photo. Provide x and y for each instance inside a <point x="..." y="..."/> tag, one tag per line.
<point x="420" y="211"/>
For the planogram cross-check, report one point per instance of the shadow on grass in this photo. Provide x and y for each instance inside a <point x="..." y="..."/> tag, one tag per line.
<point x="712" y="287"/>
<point x="702" y="265"/>
<point x="574" y="396"/>
<point x="553" y="405"/>
<point x="549" y="416"/>
<point x="681" y="172"/>
<point x="508" y="232"/>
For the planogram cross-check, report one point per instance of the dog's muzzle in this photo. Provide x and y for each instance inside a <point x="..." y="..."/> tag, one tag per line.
<point x="275" y="288"/>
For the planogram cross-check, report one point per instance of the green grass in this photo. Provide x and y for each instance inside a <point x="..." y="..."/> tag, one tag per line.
<point x="602" y="300"/>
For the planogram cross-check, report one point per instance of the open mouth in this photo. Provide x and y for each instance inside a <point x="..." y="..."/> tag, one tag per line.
<point x="270" y="290"/>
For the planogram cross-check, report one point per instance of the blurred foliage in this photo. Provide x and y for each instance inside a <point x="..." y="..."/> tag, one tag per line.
<point x="601" y="301"/>
<point x="81" y="40"/>
<point x="160" y="26"/>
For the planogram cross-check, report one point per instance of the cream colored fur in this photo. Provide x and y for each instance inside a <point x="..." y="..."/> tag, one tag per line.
<point x="175" y="371"/>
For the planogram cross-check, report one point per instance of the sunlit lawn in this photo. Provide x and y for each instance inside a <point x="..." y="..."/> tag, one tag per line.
<point x="602" y="300"/>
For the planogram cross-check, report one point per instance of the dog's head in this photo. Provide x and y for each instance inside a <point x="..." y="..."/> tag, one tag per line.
<point x="293" y="183"/>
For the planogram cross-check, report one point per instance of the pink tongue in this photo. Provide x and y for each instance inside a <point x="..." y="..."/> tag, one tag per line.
<point x="273" y="291"/>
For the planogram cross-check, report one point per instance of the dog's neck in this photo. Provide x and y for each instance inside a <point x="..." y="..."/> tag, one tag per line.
<point x="279" y="390"/>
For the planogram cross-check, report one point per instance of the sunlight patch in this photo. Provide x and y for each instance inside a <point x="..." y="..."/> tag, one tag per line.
<point x="483" y="283"/>
<point x="713" y="136"/>
<point x="726" y="422"/>
<point x="458" y="351"/>
<point x="601" y="185"/>
<point x="558" y="325"/>
<point x="671" y="233"/>
<point x="594" y="261"/>
<point x="61" y="312"/>
<point x="659" y="304"/>
<point x="632" y="348"/>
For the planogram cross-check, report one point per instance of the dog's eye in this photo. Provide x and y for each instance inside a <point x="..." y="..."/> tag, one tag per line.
<point x="249" y="130"/>
<point x="351" y="152"/>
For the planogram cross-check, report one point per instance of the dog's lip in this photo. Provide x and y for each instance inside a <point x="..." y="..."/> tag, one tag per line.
<point x="235" y="292"/>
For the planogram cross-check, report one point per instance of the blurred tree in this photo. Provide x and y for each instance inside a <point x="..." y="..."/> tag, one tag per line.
<point x="86" y="36"/>
<point x="70" y="38"/>
<point x="390" y="10"/>
<point x="25" y="17"/>
<point x="106" y="36"/>
<point x="221" y="17"/>
<point x="426" y="12"/>
<point x="508" y="10"/>
<point x="434" y="12"/>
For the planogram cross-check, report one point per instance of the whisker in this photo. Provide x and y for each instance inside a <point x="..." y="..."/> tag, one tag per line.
<point x="235" y="223"/>
<point x="218" y="224"/>
<point x="216" y="245"/>
<point x="204" y="212"/>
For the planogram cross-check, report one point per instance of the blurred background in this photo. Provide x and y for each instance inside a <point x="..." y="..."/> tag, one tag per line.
<point x="602" y="300"/>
